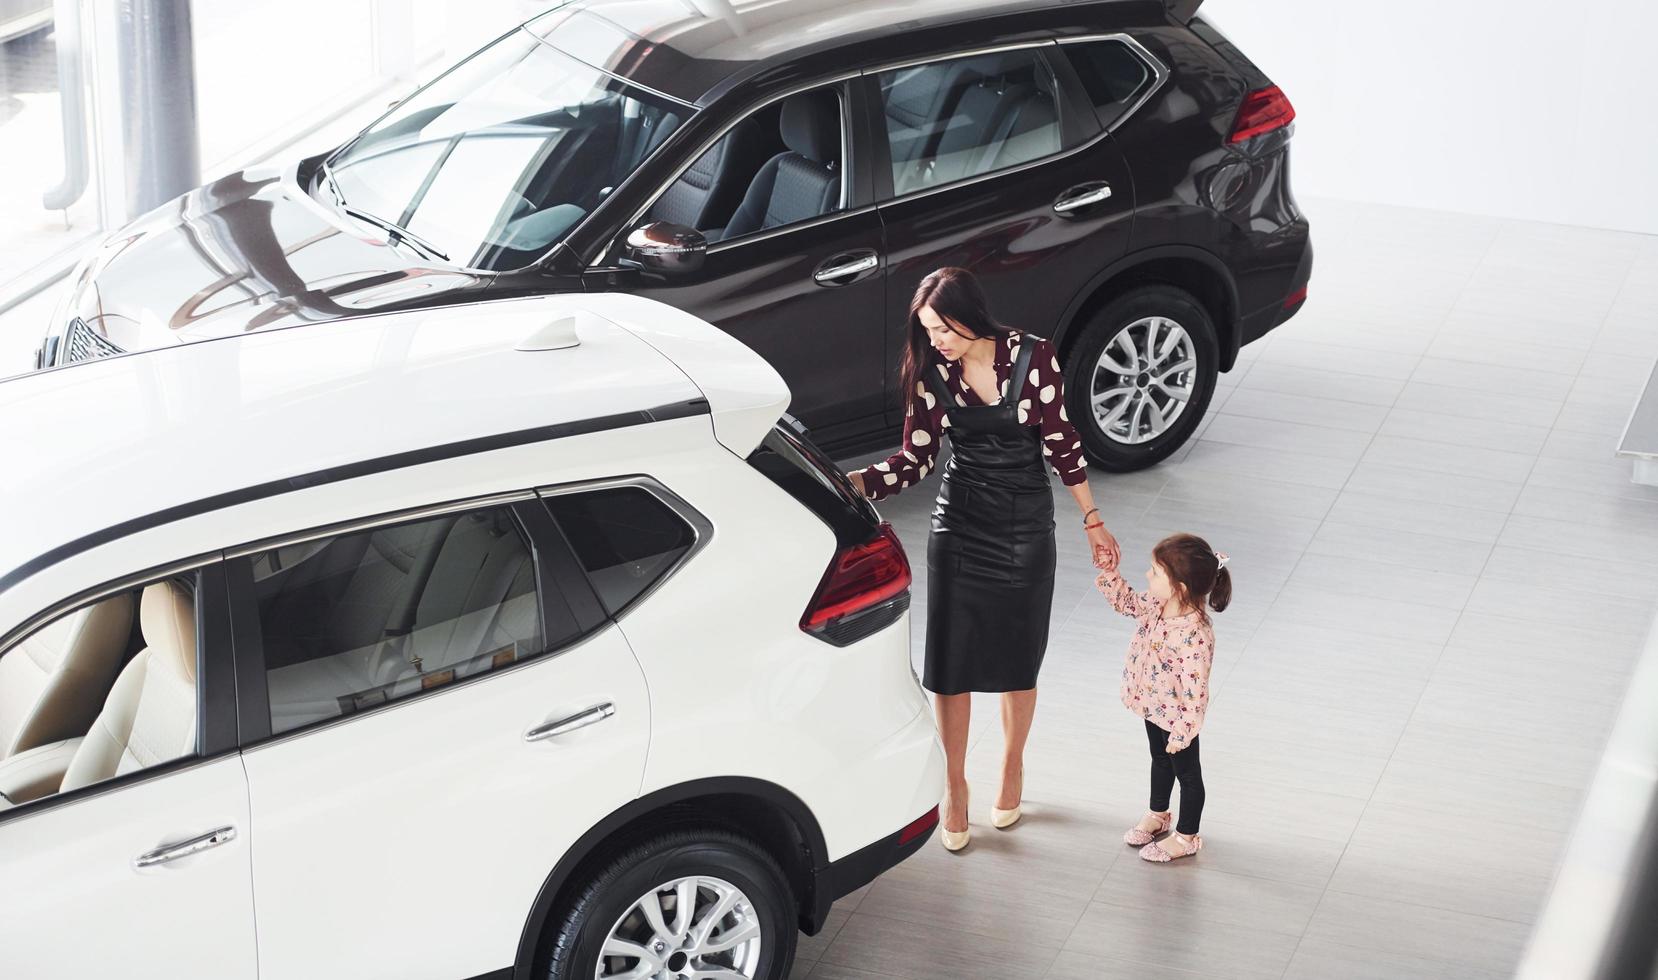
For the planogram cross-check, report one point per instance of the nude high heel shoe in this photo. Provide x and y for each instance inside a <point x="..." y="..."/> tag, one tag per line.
<point x="1003" y="819"/>
<point x="953" y="840"/>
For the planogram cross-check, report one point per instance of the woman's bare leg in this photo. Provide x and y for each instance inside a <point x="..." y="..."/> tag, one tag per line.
<point x="954" y="711"/>
<point x="1018" y="710"/>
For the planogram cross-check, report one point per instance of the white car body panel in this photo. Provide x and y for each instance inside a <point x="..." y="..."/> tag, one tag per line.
<point x="76" y="906"/>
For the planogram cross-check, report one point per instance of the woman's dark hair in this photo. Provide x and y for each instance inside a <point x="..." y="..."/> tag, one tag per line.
<point x="1194" y="571"/>
<point x="954" y="294"/>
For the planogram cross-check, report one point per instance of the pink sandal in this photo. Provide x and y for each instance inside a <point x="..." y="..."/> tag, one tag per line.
<point x="1135" y="837"/>
<point x="1160" y="853"/>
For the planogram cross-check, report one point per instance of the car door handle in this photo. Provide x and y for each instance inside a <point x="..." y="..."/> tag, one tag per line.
<point x="827" y="274"/>
<point x="564" y="726"/>
<point x="184" y="849"/>
<point x="1082" y="197"/>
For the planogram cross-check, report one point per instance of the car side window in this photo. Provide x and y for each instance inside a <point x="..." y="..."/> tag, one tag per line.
<point x="626" y="538"/>
<point x="778" y="166"/>
<point x="365" y="618"/>
<point x="951" y="120"/>
<point x="1112" y="74"/>
<point x="102" y="691"/>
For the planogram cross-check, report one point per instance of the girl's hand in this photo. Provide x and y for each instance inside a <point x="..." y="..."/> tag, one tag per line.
<point x="1104" y="545"/>
<point x="1173" y="746"/>
<point x="858" y="481"/>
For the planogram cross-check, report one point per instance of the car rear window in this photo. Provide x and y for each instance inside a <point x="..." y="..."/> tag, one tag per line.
<point x="1112" y="74"/>
<point x="789" y="459"/>
<point x="625" y="537"/>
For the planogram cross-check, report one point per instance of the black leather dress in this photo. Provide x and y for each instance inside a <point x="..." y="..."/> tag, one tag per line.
<point x="991" y="554"/>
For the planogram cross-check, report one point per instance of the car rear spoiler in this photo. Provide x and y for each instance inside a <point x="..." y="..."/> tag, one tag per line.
<point x="1181" y="11"/>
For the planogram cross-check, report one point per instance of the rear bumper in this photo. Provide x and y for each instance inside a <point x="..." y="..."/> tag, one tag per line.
<point x="852" y="872"/>
<point x="904" y="781"/>
<point x="1254" y="325"/>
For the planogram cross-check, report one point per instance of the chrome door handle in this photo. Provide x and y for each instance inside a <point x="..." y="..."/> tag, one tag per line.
<point x="852" y="268"/>
<point x="1067" y="204"/>
<point x="564" y="726"/>
<point x="184" y="849"/>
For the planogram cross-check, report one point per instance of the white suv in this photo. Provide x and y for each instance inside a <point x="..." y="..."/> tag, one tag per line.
<point x="510" y="640"/>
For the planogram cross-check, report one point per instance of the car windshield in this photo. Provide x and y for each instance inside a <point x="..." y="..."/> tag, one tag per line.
<point x="491" y="164"/>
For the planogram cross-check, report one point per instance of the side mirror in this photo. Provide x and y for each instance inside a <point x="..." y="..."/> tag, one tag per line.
<point x="666" y="248"/>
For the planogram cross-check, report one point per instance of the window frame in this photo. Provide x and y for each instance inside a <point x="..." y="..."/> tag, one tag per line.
<point x="555" y="568"/>
<point x="215" y="674"/>
<point x="855" y="197"/>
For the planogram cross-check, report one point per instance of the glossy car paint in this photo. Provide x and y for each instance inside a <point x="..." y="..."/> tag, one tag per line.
<point x="1188" y="208"/>
<point x="358" y="829"/>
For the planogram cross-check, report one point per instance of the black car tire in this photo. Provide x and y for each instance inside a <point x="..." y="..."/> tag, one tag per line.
<point x="1082" y="362"/>
<point x="581" y="931"/>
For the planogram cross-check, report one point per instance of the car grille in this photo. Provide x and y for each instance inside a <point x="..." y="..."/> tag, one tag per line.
<point x="82" y="344"/>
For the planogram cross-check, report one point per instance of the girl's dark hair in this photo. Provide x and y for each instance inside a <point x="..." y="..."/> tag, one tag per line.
<point x="954" y="294"/>
<point x="1194" y="571"/>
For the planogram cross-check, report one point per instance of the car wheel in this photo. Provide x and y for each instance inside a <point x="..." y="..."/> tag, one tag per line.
<point x="1140" y="377"/>
<point x="693" y="903"/>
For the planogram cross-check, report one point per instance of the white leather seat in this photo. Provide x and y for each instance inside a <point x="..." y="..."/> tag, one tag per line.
<point x="54" y="682"/>
<point x="150" y="715"/>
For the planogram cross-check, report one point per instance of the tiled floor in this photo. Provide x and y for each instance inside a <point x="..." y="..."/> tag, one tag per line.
<point x="1442" y="578"/>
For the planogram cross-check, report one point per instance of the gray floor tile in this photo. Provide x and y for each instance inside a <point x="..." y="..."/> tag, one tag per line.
<point x="1401" y="929"/>
<point x="1441" y="457"/>
<point x="1410" y="549"/>
<point x="1505" y="436"/>
<point x="1449" y="401"/>
<point x="1429" y="517"/>
<point x="931" y="951"/>
<point x="1156" y="937"/>
<point x="1318" y="959"/>
<point x="1315" y="383"/>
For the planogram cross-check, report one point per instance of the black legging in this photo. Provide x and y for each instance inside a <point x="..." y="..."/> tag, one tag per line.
<point x="1184" y="765"/>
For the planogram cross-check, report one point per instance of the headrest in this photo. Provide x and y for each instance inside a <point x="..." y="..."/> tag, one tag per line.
<point x="167" y="615"/>
<point x="811" y="125"/>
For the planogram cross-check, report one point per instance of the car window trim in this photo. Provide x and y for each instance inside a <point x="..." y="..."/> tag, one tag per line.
<point x="208" y="705"/>
<point x="702" y="529"/>
<point x="598" y="263"/>
<point x="253" y="693"/>
<point x="1103" y="133"/>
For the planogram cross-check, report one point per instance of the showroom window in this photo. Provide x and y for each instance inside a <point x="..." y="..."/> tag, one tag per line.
<point x="362" y="619"/>
<point x="104" y="690"/>
<point x="1112" y="74"/>
<point x="952" y="120"/>
<point x="626" y="538"/>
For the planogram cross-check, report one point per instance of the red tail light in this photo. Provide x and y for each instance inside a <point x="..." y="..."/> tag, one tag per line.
<point x="1263" y="111"/>
<point x="1300" y="295"/>
<point x="860" y="578"/>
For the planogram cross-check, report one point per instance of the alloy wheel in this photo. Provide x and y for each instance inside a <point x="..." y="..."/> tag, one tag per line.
<point x="1143" y="381"/>
<point x="695" y="928"/>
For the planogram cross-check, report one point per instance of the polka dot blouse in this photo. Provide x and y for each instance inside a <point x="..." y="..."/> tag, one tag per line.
<point x="1041" y="404"/>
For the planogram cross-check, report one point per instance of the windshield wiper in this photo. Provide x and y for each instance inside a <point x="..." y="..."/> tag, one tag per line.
<point x="398" y="233"/>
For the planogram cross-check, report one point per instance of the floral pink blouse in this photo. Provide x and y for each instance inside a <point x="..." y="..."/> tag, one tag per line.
<point x="1166" y="674"/>
<point x="1042" y="406"/>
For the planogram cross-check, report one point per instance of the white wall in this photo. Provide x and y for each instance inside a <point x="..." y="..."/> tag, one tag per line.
<point x="1534" y="109"/>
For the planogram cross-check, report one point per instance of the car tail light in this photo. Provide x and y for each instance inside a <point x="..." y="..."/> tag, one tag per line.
<point x="1296" y="297"/>
<point x="866" y="588"/>
<point x="1263" y="111"/>
<point x="927" y="822"/>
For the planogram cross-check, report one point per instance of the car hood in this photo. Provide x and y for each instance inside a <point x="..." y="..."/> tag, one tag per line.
<point x="248" y="251"/>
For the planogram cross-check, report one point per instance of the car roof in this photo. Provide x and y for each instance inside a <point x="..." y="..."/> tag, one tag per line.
<point x="109" y="447"/>
<point x="692" y="51"/>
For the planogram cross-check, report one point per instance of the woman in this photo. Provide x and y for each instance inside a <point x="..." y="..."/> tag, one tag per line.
<point x="999" y="395"/>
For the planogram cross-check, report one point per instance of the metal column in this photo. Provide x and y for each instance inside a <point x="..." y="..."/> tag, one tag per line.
<point x="158" y="101"/>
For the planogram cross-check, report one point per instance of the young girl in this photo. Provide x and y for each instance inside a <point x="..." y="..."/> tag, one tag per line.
<point x="1166" y="679"/>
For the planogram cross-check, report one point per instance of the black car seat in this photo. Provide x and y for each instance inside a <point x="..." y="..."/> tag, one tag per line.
<point x="803" y="181"/>
<point x="705" y="195"/>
